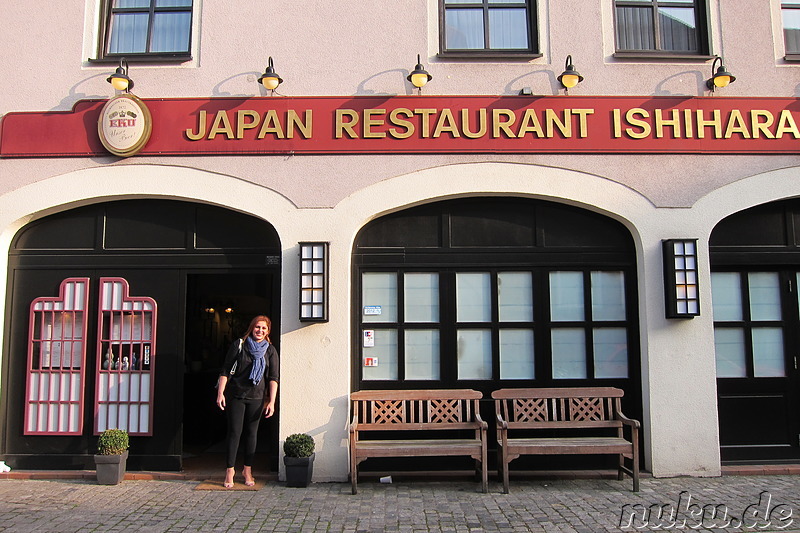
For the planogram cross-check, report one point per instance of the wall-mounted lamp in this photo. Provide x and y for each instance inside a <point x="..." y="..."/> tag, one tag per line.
<point x="270" y="79"/>
<point x="419" y="76"/>
<point x="570" y="77"/>
<point x="681" y="292"/>
<point x="720" y="78"/>
<point x="314" y="281"/>
<point x="120" y="80"/>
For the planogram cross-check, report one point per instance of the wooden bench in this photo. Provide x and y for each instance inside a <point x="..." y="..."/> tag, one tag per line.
<point x="594" y="412"/>
<point x="424" y="411"/>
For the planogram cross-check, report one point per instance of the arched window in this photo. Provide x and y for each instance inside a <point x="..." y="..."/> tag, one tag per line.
<point x="481" y="292"/>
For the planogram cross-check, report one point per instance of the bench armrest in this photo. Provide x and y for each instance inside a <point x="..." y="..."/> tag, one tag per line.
<point x="628" y="421"/>
<point x="501" y="424"/>
<point x="481" y="421"/>
<point x="502" y="430"/>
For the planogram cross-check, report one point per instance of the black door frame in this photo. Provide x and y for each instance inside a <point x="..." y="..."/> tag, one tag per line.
<point x="109" y="238"/>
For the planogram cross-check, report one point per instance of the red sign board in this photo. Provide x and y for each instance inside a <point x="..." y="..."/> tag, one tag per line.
<point x="425" y="124"/>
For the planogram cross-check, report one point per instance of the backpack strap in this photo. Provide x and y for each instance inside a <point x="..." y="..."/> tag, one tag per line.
<point x="235" y="363"/>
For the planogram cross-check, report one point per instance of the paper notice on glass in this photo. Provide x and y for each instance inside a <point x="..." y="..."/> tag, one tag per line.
<point x="369" y="338"/>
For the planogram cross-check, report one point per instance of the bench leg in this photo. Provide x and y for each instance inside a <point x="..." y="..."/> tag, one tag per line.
<point x="353" y="475"/>
<point x="502" y="467"/>
<point x="484" y="469"/>
<point x="635" y="469"/>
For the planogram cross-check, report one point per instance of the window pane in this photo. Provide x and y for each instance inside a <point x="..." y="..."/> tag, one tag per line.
<point x="610" y="353"/>
<point x="508" y="29"/>
<point x="464" y="29"/>
<point x="566" y="296"/>
<point x="128" y="33"/>
<point x="474" y="354"/>
<point x="463" y="1"/>
<point x="379" y="297"/>
<point x="422" y="354"/>
<point x="131" y="3"/>
<point x="383" y="354"/>
<point x="765" y="297"/>
<point x="171" y="32"/>
<point x="678" y="29"/>
<point x="726" y="295"/>
<point x="569" y="353"/>
<point x="473" y="297"/>
<point x="635" y="28"/>
<point x="608" y="295"/>
<point x="791" y="30"/>
<point x="768" y="353"/>
<point x="514" y="296"/>
<point x="173" y="3"/>
<point x="421" y="292"/>
<point x="730" y="352"/>
<point x="516" y="354"/>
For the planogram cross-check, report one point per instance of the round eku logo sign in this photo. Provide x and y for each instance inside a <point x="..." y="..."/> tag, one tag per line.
<point x="125" y="125"/>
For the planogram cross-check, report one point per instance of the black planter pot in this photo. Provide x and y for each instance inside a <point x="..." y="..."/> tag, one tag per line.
<point x="299" y="470"/>
<point x="110" y="468"/>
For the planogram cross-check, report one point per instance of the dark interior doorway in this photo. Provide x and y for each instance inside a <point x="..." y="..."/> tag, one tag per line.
<point x="219" y="308"/>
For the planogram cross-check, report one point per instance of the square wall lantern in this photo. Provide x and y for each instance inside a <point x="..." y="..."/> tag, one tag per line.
<point x="314" y="281"/>
<point x="681" y="292"/>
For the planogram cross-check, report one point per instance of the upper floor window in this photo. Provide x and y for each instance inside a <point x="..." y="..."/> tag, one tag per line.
<point x="661" y="26"/>
<point x="147" y="28"/>
<point x="790" y="12"/>
<point x="495" y="27"/>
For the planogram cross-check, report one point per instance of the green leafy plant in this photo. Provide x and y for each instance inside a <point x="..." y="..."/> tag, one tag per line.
<point x="299" y="445"/>
<point x="112" y="442"/>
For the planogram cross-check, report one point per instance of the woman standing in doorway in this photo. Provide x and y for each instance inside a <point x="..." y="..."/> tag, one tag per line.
<point x="246" y="389"/>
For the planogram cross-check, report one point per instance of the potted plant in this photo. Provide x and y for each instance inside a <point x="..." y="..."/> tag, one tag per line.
<point x="112" y="456"/>
<point x="299" y="459"/>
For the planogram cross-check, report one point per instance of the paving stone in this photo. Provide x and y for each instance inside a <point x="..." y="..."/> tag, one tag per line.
<point x="569" y="506"/>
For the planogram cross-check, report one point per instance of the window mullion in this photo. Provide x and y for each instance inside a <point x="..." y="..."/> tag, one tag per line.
<point x="495" y="324"/>
<point x="656" y="26"/>
<point x="401" y="326"/>
<point x="589" y="328"/>
<point x="486" y="45"/>
<point x="748" y="324"/>
<point x="150" y="23"/>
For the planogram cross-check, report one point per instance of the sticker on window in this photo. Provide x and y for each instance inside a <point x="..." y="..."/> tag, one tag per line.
<point x="369" y="338"/>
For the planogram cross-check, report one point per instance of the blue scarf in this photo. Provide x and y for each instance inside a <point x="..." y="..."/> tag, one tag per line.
<point x="257" y="350"/>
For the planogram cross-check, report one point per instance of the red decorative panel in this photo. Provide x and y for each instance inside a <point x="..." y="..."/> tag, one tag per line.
<point x="126" y="354"/>
<point x="419" y="124"/>
<point x="56" y="361"/>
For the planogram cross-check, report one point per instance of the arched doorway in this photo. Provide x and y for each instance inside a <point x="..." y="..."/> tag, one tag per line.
<point x="755" y="261"/>
<point x="119" y="313"/>
<point x="486" y="293"/>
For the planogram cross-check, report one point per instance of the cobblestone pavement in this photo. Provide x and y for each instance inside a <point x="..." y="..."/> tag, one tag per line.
<point x="767" y="503"/>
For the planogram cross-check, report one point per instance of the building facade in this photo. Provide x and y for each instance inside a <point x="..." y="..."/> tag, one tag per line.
<point x="491" y="229"/>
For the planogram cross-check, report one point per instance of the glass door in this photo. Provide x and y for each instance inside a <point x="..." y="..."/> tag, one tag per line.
<point x="756" y="342"/>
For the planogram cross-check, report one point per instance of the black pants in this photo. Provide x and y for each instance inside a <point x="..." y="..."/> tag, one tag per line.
<point x="243" y="416"/>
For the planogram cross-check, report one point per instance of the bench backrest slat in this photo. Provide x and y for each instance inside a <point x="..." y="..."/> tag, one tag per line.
<point x="424" y="409"/>
<point x="575" y="407"/>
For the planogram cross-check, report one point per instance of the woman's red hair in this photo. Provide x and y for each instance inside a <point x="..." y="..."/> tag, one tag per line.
<point x="256" y="320"/>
